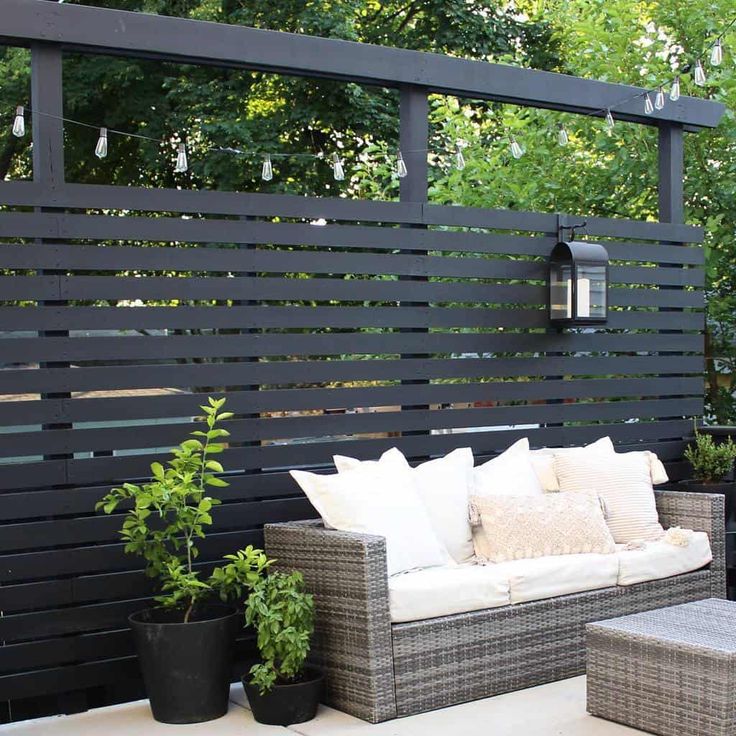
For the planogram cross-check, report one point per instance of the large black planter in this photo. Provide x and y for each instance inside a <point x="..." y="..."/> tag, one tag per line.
<point x="287" y="704"/>
<point x="186" y="667"/>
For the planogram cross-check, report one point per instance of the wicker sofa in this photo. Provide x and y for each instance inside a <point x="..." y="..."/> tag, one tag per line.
<point x="378" y="670"/>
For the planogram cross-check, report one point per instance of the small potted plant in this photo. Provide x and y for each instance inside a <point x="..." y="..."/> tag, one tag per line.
<point x="281" y="689"/>
<point x="711" y="462"/>
<point x="185" y="644"/>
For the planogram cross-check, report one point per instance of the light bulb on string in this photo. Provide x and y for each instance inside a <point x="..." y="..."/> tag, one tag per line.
<point x="267" y="168"/>
<point x="401" y="169"/>
<point x="516" y="150"/>
<point x="181" y="159"/>
<point x="648" y="106"/>
<point x="459" y="158"/>
<point x="610" y="122"/>
<point x="675" y="89"/>
<point x="101" y="147"/>
<point x="699" y="74"/>
<point x="19" y="122"/>
<point x="337" y="168"/>
<point x="562" y="137"/>
<point x="659" y="98"/>
<point x="716" y="54"/>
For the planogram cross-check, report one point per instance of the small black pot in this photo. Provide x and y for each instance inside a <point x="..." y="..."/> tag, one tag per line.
<point x="186" y="666"/>
<point x="286" y="704"/>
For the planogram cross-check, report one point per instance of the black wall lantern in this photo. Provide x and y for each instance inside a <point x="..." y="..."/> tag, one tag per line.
<point x="578" y="284"/>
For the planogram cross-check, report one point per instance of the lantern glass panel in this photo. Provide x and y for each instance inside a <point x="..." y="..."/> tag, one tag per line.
<point x="591" y="291"/>
<point x="560" y="291"/>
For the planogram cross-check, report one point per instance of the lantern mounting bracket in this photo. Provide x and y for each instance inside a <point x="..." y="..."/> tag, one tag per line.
<point x="571" y="228"/>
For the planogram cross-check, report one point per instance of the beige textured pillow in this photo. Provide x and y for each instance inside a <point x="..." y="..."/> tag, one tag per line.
<point x="624" y="482"/>
<point x="520" y="527"/>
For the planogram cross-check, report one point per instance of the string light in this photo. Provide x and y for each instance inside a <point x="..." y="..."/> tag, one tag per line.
<point x="101" y="147"/>
<point x="181" y="159"/>
<point x="401" y="169"/>
<point x="19" y="122"/>
<point x="337" y="169"/>
<point x="516" y="150"/>
<point x="562" y="137"/>
<point x="459" y="158"/>
<point x="267" y="168"/>
<point x="675" y="89"/>
<point x="715" y="53"/>
<point x="659" y="98"/>
<point x="699" y="74"/>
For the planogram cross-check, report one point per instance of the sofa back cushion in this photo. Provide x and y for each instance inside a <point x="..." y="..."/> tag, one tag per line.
<point x="522" y="527"/>
<point x="623" y="481"/>
<point x="543" y="460"/>
<point x="374" y="500"/>
<point x="443" y="485"/>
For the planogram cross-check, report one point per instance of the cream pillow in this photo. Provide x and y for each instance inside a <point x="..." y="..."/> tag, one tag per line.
<point x="443" y="485"/>
<point x="543" y="460"/>
<point x="510" y="473"/>
<point x="372" y="500"/>
<point x="624" y="483"/>
<point x="524" y="527"/>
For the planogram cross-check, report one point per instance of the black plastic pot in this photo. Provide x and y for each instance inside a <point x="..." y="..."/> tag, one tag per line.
<point x="285" y="705"/>
<point x="186" y="667"/>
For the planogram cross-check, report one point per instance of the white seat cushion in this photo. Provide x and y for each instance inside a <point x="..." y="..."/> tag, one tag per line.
<point x="662" y="560"/>
<point x="442" y="591"/>
<point x="547" y="577"/>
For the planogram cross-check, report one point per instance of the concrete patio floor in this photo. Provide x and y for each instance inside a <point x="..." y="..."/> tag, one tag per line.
<point x="557" y="709"/>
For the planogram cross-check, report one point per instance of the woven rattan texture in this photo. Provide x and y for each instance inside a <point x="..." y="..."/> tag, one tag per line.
<point x="670" y="671"/>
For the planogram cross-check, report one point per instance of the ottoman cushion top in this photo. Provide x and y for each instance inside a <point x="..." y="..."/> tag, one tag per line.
<point x="707" y="624"/>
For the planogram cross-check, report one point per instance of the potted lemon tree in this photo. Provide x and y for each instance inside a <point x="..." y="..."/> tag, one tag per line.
<point x="185" y="643"/>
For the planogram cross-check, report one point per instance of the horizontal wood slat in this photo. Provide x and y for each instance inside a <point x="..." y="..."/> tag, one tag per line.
<point x="132" y="348"/>
<point x="310" y="372"/>
<point x="103" y="227"/>
<point x="108" y="288"/>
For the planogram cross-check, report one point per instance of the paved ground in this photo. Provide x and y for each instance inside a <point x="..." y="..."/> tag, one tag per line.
<point x="557" y="709"/>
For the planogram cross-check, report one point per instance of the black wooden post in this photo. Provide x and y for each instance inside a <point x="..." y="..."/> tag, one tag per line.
<point x="47" y="109"/>
<point x="48" y="171"/>
<point x="671" y="163"/>
<point x="413" y="143"/>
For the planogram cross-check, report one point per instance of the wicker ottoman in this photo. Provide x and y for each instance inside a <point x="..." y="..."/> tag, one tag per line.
<point x="671" y="671"/>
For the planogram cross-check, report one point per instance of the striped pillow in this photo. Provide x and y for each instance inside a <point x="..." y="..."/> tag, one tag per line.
<point x="624" y="483"/>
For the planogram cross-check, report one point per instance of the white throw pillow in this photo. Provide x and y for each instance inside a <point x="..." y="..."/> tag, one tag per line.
<point x="443" y="485"/>
<point x="509" y="474"/>
<point x="623" y="481"/>
<point x="523" y="527"/>
<point x="372" y="500"/>
<point x="543" y="460"/>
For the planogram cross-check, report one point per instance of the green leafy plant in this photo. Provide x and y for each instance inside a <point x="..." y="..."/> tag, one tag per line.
<point x="167" y="516"/>
<point x="283" y="616"/>
<point x="711" y="461"/>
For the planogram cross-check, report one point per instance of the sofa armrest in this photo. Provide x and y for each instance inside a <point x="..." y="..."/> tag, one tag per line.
<point x="352" y="641"/>
<point x="701" y="512"/>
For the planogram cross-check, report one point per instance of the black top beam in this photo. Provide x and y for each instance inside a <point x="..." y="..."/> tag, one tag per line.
<point x="98" y="30"/>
